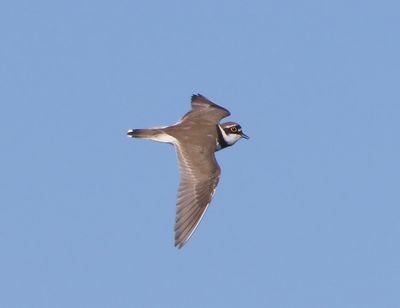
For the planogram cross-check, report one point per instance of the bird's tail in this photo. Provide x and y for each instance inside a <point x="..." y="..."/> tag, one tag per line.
<point x="156" y="134"/>
<point x="143" y="133"/>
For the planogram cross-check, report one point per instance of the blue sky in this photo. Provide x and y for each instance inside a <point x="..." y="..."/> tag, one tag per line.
<point x="307" y="211"/>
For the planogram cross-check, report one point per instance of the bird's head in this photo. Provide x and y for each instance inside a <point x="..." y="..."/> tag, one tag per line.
<point x="232" y="132"/>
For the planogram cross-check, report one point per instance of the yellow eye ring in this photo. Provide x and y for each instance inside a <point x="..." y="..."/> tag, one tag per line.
<point x="233" y="129"/>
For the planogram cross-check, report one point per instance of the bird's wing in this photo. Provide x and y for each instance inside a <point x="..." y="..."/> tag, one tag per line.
<point x="199" y="178"/>
<point x="205" y="110"/>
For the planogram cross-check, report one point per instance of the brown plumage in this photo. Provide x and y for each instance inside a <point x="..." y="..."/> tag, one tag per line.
<point x="195" y="138"/>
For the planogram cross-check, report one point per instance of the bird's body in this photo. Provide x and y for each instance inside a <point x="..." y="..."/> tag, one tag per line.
<point x="196" y="137"/>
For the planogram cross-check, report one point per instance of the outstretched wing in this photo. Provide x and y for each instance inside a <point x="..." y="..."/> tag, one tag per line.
<point x="206" y="110"/>
<point x="199" y="179"/>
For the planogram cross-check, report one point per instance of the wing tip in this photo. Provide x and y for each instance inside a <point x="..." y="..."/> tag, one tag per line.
<point x="197" y="96"/>
<point x="180" y="240"/>
<point x="179" y="245"/>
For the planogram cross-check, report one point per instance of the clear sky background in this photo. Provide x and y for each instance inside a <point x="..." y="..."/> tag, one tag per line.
<point x="307" y="211"/>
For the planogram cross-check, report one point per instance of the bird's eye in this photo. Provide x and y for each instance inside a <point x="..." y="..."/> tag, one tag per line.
<point x="234" y="129"/>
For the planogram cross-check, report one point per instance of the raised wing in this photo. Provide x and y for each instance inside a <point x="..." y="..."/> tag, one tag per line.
<point x="199" y="179"/>
<point x="206" y="110"/>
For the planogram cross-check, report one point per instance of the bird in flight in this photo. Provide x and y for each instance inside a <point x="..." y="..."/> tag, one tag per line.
<point x="196" y="137"/>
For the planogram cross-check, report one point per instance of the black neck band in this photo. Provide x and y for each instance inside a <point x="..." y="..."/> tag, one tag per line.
<point x="221" y="141"/>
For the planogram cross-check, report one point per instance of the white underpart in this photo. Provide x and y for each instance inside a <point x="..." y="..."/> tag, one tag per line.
<point x="165" y="138"/>
<point x="231" y="138"/>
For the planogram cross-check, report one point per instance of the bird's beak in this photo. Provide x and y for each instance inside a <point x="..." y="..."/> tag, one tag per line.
<point x="244" y="136"/>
